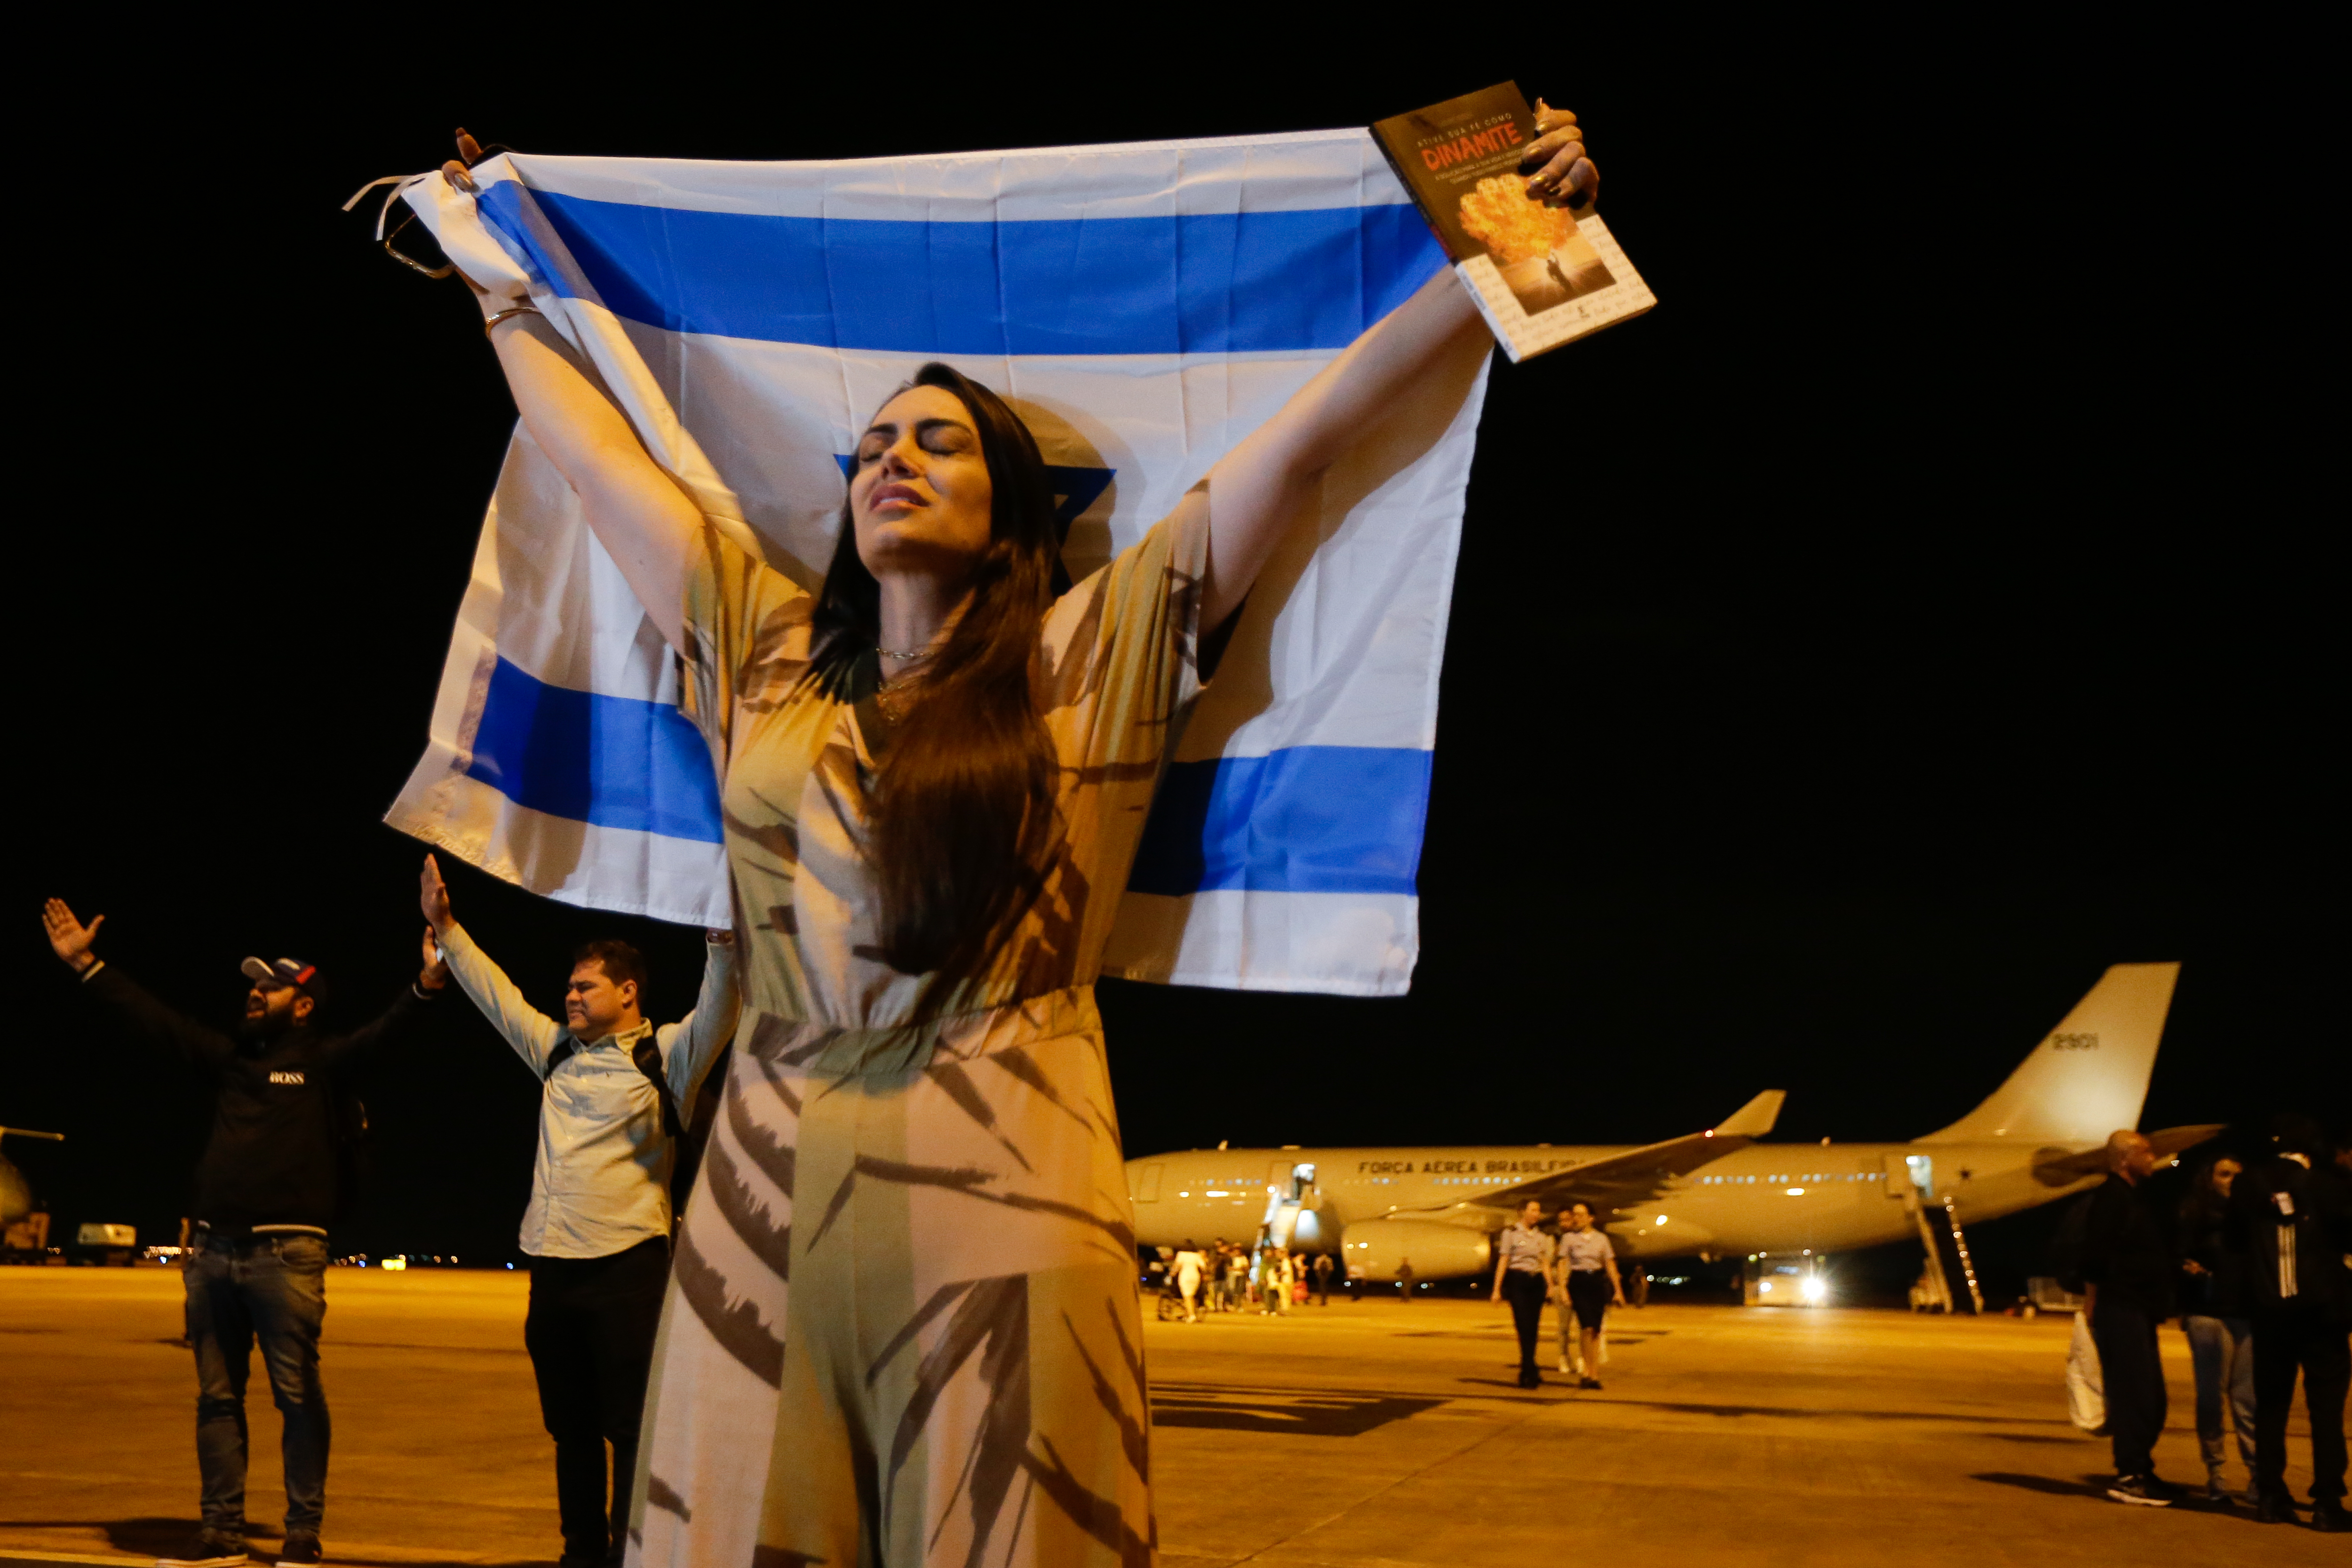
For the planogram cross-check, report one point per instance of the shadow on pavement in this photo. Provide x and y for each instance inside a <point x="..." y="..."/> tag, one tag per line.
<point x="2048" y="1486"/>
<point x="148" y="1537"/>
<point x="1301" y="1415"/>
<point x="1824" y="1413"/>
<point x="2095" y="1487"/>
<point x="152" y="1537"/>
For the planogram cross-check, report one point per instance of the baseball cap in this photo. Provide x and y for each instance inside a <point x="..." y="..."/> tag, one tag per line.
<point x="285" y="971"/>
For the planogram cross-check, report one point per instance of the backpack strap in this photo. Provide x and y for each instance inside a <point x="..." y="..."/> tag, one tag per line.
<point x="649" y="1062"/>
<point x="647" y="1055"/>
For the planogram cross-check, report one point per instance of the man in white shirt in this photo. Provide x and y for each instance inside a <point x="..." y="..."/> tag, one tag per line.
<point x="598" y="1229"/>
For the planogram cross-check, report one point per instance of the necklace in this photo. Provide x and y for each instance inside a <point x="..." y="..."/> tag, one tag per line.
<point x="915" y="658"/>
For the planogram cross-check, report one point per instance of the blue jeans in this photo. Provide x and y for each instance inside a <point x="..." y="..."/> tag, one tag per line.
<point x="2221" y="1350"/>
<point x="272" y="1289"/>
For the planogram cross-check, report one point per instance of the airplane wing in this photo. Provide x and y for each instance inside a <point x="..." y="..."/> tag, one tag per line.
<point x="1637" y="1175"/>
<point x="2063" y="1169"/>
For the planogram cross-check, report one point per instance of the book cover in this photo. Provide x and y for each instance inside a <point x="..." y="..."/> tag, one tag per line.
<point x="1541" y="275"/>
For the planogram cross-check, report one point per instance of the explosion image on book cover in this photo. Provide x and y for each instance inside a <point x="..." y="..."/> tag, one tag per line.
<point x="1541" y="274"/>
<point x="1536" y="247"/>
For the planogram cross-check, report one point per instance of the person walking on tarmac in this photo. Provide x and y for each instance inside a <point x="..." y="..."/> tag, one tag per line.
<point x="1523" y="1263"/>
<point x="1274" y="1279"/>
<point x="2128" y="1271"/>
<point x="2212" y="1300"/>
<point x="2291" y="1223"/>
<point x="272" y="1178"/>
<point x="1589" y="1285"/>
<point x="597" y="1230"/>
<point x="1188" y="1266"/>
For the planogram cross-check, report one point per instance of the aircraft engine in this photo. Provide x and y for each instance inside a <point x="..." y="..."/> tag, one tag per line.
<point x="16" y="1193"/>
<point x="1375" y="1249"/>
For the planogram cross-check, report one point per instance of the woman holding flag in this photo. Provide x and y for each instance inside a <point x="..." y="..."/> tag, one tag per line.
<point x="903" y="1321"/>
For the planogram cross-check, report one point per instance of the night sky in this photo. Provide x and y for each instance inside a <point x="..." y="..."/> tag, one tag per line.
<point x="1849" y="660"/>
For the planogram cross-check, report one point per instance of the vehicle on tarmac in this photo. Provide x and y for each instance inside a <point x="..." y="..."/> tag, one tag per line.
<point x="1431" y="1213"/>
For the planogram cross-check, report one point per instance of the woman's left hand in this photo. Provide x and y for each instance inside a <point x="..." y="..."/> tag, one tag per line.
<point x="1558" y="171"/>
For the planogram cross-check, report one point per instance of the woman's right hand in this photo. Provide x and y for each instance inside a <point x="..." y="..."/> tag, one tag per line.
<point x="458" y="171"/>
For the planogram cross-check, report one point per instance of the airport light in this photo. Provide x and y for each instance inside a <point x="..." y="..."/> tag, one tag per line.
<point x="1815" y="1288"/>
<point x="1661" y="1219"/>
<point x="1796" y="1192"/>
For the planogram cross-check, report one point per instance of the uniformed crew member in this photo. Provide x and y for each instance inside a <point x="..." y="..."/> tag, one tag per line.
<point x="1588" y="1282"/>
<point x="1523" y="1257"/>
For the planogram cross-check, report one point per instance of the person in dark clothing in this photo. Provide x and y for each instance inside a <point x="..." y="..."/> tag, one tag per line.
<point x="2290" y="1221"/>
<point x="2128" y="1271"/>
<point x="272" y="1179"/>
<point x="2213" y="1317"/>
<point x="1323" y="1268"/>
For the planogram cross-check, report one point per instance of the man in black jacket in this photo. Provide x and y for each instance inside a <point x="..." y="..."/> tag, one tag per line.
<point x="2291" y="1222"/>
<point x="271" y="1182"/>
<point x="2128" y="1269"/>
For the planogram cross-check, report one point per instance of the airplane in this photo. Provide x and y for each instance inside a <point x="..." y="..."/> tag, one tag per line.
<point x="16" y="1192"/>
<point x="1424" y="1214"/>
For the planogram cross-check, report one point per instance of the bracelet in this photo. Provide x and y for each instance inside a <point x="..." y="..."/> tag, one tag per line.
<point x="502" y="315"/>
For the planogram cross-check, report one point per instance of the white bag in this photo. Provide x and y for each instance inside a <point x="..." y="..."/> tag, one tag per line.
<point x="2087" y="1399"/>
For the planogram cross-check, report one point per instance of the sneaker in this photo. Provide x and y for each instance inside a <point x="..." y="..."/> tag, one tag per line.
<point x="2327" y="1517"/>
<point x="1563" y="1367"/>
<point x="2216" y="1489"/>
<point x="208" y="1548"/>
<point x="2275" y="1507"/>
<point x="299" y="1552"/>
<point x="2145" y="1490"/>
<point x="1588" y="1383"/>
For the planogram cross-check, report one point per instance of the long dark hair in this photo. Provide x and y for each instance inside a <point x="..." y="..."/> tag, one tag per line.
<point x="961" y="811"/>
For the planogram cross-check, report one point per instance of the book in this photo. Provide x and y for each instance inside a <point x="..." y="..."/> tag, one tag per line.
<point x="1542" y="275"/>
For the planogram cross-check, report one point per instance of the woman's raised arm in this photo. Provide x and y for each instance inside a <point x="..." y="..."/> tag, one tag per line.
<point x="648" y="525"/>
<point x="1256" y="488"/>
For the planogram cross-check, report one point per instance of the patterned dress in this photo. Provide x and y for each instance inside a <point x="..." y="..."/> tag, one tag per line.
<point x="903" y="1326"/>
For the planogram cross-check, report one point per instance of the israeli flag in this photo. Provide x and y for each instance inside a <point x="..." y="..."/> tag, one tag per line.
<point x="1143" y="307"/>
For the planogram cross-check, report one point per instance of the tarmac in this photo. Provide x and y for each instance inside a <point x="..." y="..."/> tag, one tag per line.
<point x="1368" y="1433"/>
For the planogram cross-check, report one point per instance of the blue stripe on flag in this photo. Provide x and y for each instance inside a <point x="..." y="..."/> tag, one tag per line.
<point x="1310" y="819"/>
<point x="617" y="762"/>
<point x="1201" y="283"/>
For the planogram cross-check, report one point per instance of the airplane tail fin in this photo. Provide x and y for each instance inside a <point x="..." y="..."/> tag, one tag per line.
<point x="2089" y="1075"/>
<point x="1754" y="1119"/>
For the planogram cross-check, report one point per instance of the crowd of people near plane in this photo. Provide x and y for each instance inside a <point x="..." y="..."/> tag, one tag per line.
<point x="1265" y="1276"/>
<point x="2258" y="1269"/>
